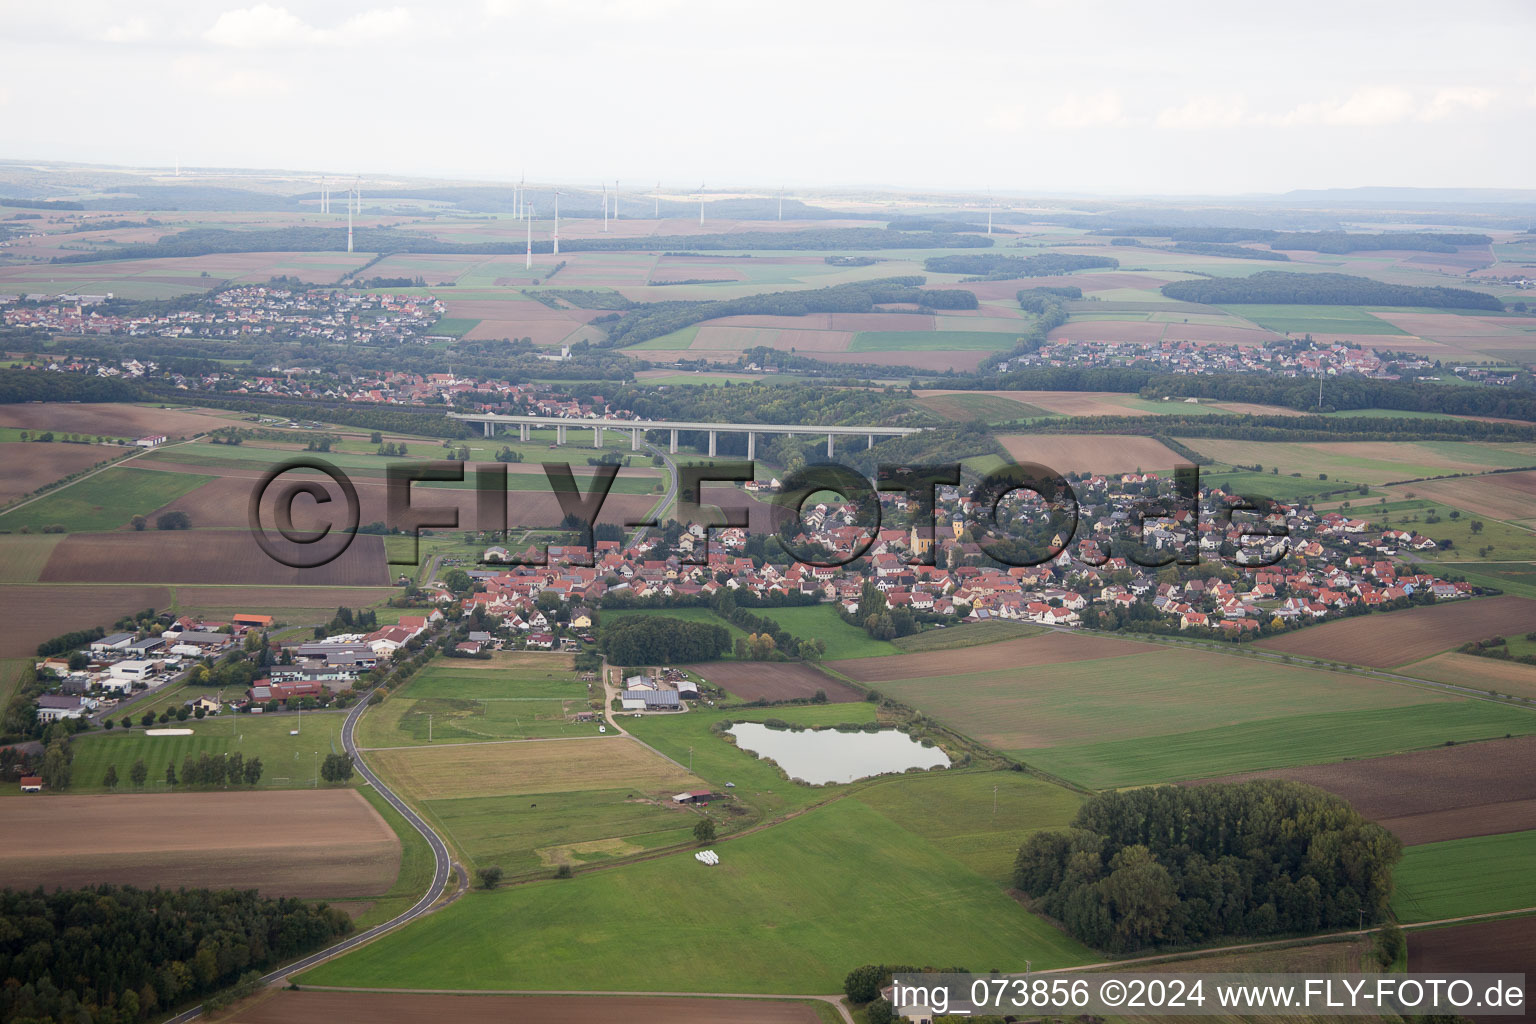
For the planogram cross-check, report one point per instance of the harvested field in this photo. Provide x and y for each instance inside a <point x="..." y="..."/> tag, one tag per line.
<point x="759" y="680"/>
<point x="311" y="1007"/>
<point x="206" y="556"/>
<point x="1511" y="677"/>
<point x="322" y="844"/>
<point x="225" y="502"/>
<point x="1507" y="946"/>
<point x="720" y="336"/>
<point x="1109" y="330"/>
<point x="1051" y="649"/>
<point x="1368" y="462"/>
<point x="26" y="467"/>
<point x="33" y="614"/>
<point x="1073" y="403"/>
<point x="993" y="406"/>
<point x="114" y="419"/>
<point x="1496" y="495"/>
<point x="1472" y="789"/>
<point x="1387" y="639"/>
<point x="923" y="360"/>
<point x="1092" y="453"/>
<point x="520" y="767"/>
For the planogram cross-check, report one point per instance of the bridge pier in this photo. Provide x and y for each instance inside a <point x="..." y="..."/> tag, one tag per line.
<point x="829" y="446"/>
<point x="560" y="434"/>
<point x="871" y="440"/>
<point x="751" y="445"/>
<point x="597" y="437"/>
<point x="490" y="429"/>
<point x="674" y="442"/>
<point x="711" y="444"/>
<point x="634" y="440"/>
<point x="525" y="433"/>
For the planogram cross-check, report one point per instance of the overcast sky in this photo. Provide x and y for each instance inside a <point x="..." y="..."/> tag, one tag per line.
<point x="1191" y="98"/>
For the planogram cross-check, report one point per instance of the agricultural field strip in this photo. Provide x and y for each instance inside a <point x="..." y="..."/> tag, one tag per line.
<point x="86" y="476"/>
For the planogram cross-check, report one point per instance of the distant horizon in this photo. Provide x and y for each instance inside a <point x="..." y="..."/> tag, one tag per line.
<point x="830" y="188"/>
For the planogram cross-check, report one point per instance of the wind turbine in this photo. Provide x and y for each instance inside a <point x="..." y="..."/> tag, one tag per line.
<point x="701" y="204"/>
<point x="522" y="197"/>
<point x="781" y="202"/>
<point x="556" y="236"/>
<point x="605" y="207"/>
<point x="528" y="262"/>
<point x="615" y="198"/>
<point x="656" y="207"/>
<point x="354" y="197"/>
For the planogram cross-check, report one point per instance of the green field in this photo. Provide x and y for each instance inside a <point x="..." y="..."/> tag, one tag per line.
<point x="105" y="501"/>
<point x="613" y="615"/>
<point x="1482" y="875"/>
<point x="1503" y="541"/>
<point x="931" y="341"/>
<point x="967" y="634"/>
<point x="1317" y="320"/>
<point x="288" y="761"/>
<point x="979" y="818"/>
<point x="454" y="326"/>
<point x="1280" y="742"/>
<point x="991" y="408"/>
<point x="23" y="556"/>
<point x="416" y="866"/>
<point x="406" y="721"/>
<point x="821" y="621"/>
<point x="812" y="897"/>
<point x="1280" y="487"/>
<point x="1165" y="715"/>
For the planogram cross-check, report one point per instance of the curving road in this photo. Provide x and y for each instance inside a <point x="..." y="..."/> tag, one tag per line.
<point x="443" y="868"/>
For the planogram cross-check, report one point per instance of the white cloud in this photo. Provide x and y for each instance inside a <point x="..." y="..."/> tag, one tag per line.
<point x="264" y="26"/>
<point x="5" y="96"/>
<point x="1450" y="102"/>
<point x="1205" y="112"/>
<point x="1370" y="107"/>
<point x="131" y="31"/>
<point x="1087" y="110"/>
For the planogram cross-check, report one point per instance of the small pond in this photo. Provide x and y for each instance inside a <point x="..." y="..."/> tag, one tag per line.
<point x="826" y="755"/>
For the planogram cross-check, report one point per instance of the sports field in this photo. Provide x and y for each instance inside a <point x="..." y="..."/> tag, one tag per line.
<point x="288" y="761"/>
<point x="767" y="902"/>
<point x="1482" y="875"/>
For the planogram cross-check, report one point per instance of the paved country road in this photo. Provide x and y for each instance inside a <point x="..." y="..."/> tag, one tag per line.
<point x="442" y="871"/>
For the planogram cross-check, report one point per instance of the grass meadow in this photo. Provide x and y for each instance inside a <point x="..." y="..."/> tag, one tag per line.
<point x="1482" y="875"/>
<point x="105" y="501"/>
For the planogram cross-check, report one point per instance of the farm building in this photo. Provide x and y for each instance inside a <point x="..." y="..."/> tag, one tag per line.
<point x="687" y="689"/>
<point x="114" y="642"/>
<point x="31" y="784"/>
<point x="650" y="700"/>
<point x="263" y="691"/>
<point x="151" y="441"/>
<point x="693" y="796"/>
<point x="251" y="621"/>
<point x="52" y="707"/>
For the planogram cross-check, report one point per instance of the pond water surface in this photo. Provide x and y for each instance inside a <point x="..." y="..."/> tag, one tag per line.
<point x="826" y="755"/>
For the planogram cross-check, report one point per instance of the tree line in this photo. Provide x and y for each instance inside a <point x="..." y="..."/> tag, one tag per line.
<point x="662" y="640"/>
<point x="999" y="266"/>
<point x="1280" y="287"/>
<point x="1182" y="865"/>
<point x="118" y="954"/>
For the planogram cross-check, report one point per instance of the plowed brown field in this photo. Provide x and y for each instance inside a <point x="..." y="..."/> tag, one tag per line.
<point x="1051" y="649"/>
<point x="775" y="680"/>
<point x="1507" y="946"/>
<point x="1396" y="638"/>
<point x="322" y="844"/>
<point x="1472" y="789"/>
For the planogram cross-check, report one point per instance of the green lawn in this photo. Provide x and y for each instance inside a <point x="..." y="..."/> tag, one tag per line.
<point x="1482" y="875"/>
<point x="416" y="866"/>
<point x="931" y="341"/>
<point x="406" y="721"/>
<point x="1279" y="742"/>
<point x="105" y="501"/>
<point x="288" y="761"/>
<point x="821" y="621"/>
<point x="811" y="897"/>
